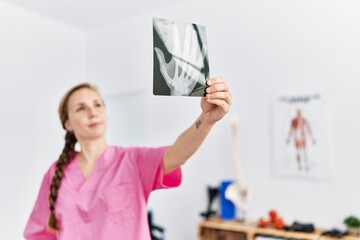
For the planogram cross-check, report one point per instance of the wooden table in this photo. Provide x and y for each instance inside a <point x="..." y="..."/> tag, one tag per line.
<point x="217" y="229"/>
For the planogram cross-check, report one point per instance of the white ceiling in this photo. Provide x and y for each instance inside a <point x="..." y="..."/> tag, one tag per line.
<point x="89" y="14"/>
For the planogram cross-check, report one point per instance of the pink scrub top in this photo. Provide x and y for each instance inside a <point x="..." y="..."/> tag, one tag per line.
<point x="110" y="204"/>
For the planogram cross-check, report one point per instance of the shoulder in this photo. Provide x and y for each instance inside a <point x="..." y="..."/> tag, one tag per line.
<point x="146" y="149"/>
<point x="50" y="172"/>
<point x="52" y="168"/>
<point x="137" y="151"/>
<point x="131" y="149"/>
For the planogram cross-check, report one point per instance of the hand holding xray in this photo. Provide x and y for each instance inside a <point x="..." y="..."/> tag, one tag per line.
<point x="183" y="71"/>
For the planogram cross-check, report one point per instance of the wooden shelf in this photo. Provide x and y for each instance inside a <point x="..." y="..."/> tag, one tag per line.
<point x="216" y="229"/>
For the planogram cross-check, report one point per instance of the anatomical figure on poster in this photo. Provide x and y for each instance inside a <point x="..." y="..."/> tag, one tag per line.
<point x="301" y="136"/>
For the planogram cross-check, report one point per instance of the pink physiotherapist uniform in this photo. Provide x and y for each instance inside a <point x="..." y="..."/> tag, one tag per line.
<point x="111" y="204"/>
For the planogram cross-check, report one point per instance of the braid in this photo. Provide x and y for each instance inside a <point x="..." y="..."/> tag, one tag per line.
<point x="66" y="155"/>
<point x="61" y="164"/>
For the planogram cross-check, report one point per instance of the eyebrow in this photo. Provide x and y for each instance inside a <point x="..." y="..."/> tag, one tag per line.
<point x="95" y="100"/>
<point x="82" y="103"/>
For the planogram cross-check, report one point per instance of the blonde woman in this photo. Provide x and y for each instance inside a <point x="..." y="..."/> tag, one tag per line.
<point x="101" y="192"/>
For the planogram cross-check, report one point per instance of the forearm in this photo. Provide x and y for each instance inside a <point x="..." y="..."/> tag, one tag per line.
<point x="214" y="106"/>
<point x="186" y="144"/>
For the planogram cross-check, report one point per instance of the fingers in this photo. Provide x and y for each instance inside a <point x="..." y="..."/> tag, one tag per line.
<point x="217" y="84"/>
<point x="218" y="89"/>
<point x="162" y="63"/>
<point x="216" y="80"/>
<point x="160" y="56"/>
<point x="220" y="95"/>
<point x="176" y="42"/>
<point x="224" y="106"/>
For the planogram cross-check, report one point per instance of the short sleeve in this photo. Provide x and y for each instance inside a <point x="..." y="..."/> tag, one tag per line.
<point x="36" y="227"/>
<point x="150" y="164"/>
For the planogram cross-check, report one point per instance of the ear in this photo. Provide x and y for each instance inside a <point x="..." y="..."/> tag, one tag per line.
<point x="68" y="126"/>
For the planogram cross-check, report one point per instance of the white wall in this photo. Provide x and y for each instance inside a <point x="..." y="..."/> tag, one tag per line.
<point x="261" y="47"/>
<point x="39" y="60"/>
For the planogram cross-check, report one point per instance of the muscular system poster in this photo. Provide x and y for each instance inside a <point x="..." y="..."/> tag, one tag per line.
<point x="301" y="136"/>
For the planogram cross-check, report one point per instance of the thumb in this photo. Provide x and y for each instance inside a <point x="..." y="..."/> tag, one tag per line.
<point x="160" y="56"/>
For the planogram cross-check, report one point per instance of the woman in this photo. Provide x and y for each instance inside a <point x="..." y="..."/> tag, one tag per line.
<point x="101" y="192"/>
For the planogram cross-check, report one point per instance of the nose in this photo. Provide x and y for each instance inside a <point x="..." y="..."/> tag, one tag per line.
<point x="92" y="113"/>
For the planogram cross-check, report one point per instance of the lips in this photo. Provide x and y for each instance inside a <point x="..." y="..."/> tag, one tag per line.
<point x="94" y="124"/>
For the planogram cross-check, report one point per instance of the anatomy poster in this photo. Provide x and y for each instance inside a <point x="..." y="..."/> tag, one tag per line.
<point x="181" y="66"/>
<point x="301" y="136"/>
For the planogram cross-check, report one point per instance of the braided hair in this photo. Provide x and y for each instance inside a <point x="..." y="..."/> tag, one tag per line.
<point x="66" y="155"/>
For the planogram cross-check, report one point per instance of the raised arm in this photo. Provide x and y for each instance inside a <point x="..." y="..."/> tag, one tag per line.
<point x="214" y="107"/>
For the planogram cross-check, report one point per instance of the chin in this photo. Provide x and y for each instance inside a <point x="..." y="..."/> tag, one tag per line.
<point x="95" y="135"/>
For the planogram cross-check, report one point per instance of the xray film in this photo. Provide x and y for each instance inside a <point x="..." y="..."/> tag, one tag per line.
<point x="181" y="63"/>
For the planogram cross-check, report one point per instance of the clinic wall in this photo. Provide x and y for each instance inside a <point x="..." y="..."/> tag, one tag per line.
<point x="39" y="60"/>
<point x="262" y="48"/>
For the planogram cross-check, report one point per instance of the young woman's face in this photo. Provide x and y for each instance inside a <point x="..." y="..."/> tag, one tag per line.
<point x="87" y="117"/>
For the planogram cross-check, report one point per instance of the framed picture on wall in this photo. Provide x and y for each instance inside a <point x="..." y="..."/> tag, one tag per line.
<point x="301" y="136"/>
